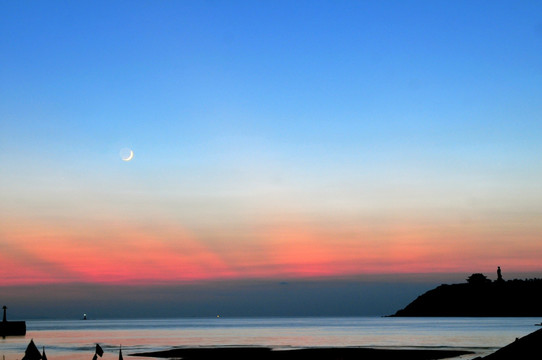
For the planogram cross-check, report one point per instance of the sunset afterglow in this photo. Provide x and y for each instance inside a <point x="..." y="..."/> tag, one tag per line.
<point x="157" y="142"/>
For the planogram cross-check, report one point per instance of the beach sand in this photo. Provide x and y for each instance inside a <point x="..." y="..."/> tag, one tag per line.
<point x="264" y="353"/>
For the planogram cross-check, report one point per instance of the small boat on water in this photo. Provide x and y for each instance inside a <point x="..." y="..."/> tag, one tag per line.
<point x="11" y="328"/>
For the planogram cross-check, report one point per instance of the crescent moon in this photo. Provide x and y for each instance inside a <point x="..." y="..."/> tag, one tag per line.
<point x="129" y="157"/>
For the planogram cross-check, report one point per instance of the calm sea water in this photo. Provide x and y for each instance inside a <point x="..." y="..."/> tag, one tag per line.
<point x="76" y="339"/>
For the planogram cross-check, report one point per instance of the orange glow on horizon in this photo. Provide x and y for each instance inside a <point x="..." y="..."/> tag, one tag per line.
<point x="168" y="253"/>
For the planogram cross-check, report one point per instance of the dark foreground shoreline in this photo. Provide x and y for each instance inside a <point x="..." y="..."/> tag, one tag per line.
<point x="527" y="347"/>
<point x="264" y="353"/>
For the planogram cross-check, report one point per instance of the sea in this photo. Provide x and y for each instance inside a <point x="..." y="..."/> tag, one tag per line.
<point x="77" y="339"/>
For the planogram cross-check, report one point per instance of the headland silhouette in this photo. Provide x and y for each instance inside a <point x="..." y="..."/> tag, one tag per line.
<point x="480" y="297"/>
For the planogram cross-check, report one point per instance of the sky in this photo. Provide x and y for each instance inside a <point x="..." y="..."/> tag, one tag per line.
<point x="321" y="142"/>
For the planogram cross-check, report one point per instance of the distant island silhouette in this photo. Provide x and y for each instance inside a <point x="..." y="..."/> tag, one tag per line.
<point x="480" y="297"/>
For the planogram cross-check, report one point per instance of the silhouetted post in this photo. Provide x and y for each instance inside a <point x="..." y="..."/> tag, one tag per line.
<point x="5" y="318"/>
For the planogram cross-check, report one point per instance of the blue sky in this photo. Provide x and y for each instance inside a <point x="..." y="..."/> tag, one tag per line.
<point x="272" y="139"/>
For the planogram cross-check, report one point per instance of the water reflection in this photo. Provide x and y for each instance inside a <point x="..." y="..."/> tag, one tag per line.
<point x="76" y="339"/>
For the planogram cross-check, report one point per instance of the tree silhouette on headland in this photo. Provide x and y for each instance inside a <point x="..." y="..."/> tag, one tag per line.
<point x="478" y="279"/>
